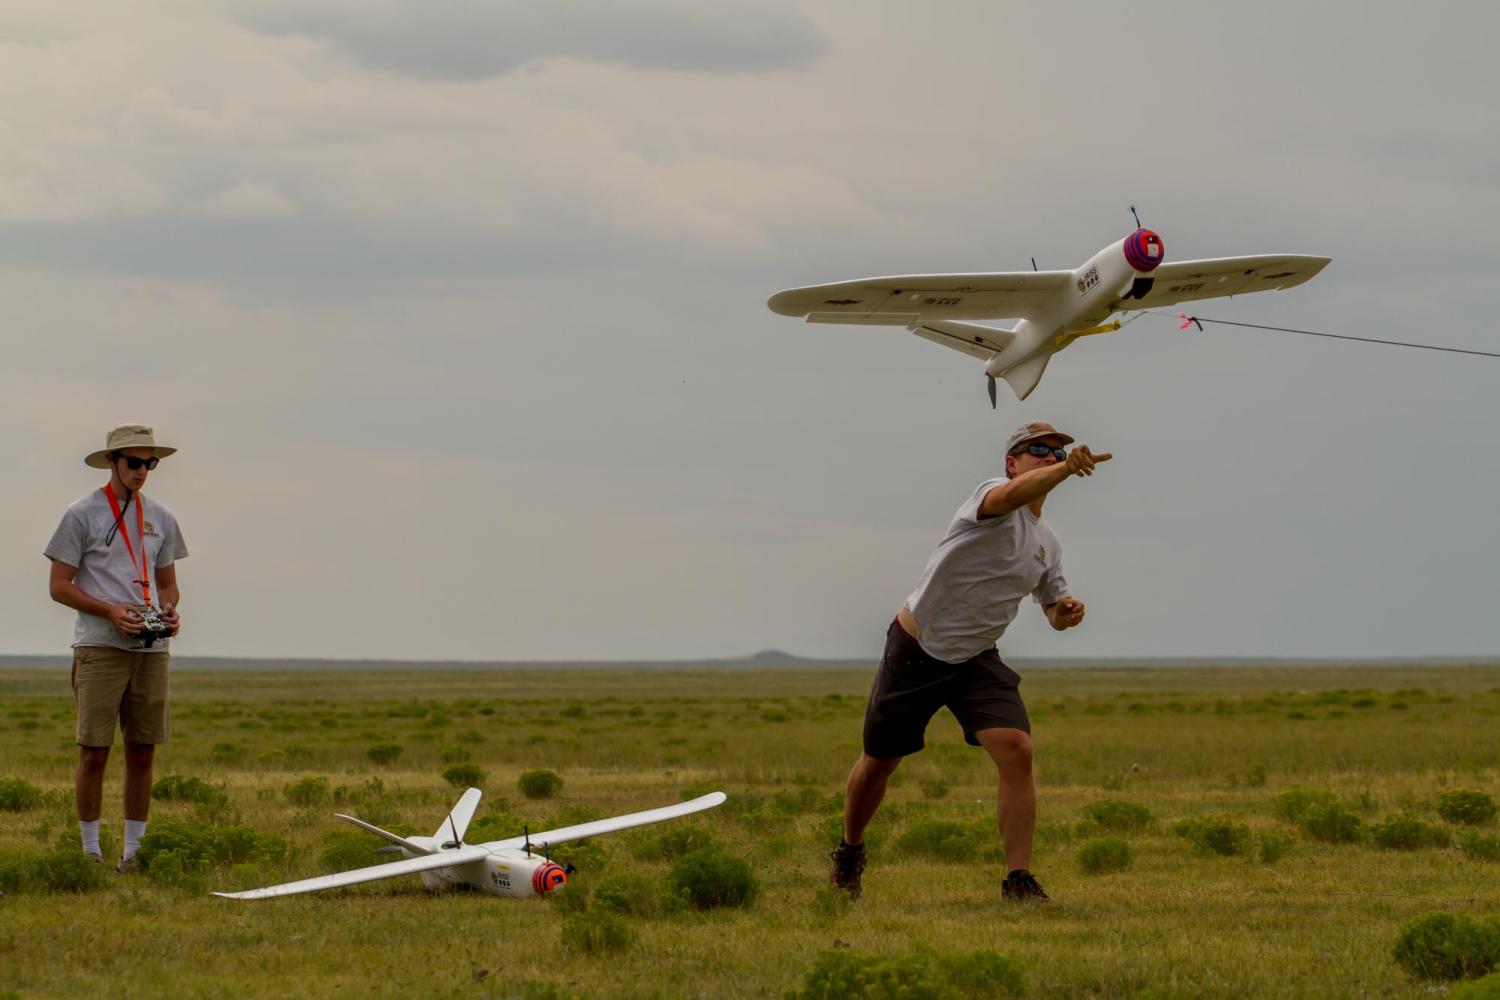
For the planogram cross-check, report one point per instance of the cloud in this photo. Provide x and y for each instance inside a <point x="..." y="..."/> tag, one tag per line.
<point x="459" y="40"/>
<point x="249" y="200"/>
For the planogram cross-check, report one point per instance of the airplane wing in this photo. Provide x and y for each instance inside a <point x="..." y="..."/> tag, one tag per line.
<point x="598" y="826"/>
<point x="901" y="300"/>
<point x="1190" y="280"/>
<point x="411" y="866"/>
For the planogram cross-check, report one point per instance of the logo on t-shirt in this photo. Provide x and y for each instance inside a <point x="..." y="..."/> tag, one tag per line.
<point x="150" y="529"/>
<point x="1041" y="554"/>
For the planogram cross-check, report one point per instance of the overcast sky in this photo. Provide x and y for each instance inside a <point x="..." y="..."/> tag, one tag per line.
<point x="456" y="311"/>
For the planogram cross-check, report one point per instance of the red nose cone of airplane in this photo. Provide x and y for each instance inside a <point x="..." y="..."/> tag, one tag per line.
<point x="1143" y="250"/>
<point x="548" y="878"/>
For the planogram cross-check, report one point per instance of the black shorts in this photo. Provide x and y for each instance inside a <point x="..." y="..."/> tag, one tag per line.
<point x="910" y="686"/>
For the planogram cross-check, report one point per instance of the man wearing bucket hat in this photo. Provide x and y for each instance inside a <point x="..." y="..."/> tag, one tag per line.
<point x="940" y="650"/>
<point x="114" y="562"/>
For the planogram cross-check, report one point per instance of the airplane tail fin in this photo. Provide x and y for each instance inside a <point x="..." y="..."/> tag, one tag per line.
<point x="457" y="822"/>
<point x="1024" y="377"/>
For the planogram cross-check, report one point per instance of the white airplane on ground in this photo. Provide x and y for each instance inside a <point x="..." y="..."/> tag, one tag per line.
<point x="1055" y="307"/>
<point x="515" y="867"/>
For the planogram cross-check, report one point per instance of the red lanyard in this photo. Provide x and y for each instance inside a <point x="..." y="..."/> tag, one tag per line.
<point x="140" y="528"/>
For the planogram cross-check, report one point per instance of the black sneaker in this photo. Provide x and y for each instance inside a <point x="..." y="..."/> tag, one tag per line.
<point x="848" y="866"/>
<point x="1022" y="885"/>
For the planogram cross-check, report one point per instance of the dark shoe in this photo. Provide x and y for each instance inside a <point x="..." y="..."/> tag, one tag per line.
<point x="128" y="866"/>
<point x="848" y="866"/>
<point x="1022" y="885"/>
<point x="97" y="859"/>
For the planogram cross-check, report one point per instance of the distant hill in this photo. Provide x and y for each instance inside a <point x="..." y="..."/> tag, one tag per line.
<point x="766" y="659"/>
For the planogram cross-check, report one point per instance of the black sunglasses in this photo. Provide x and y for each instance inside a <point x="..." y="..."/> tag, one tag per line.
<point x="1042" y="451"/>
<point x="133" y="463"/>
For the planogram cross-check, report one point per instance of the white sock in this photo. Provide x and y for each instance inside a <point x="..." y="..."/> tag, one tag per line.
<point x="135" y="829"/>
<point x="89" y="830"/>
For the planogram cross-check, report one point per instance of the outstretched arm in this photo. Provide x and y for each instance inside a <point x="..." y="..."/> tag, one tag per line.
<point x="1030" y="487"/>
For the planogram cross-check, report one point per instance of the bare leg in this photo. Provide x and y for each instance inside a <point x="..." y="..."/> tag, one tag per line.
<point x="863" y="793"/>
<point x="1015" y="800"/>
<point x="88" y="782"/>
<point x="138" y="761"/>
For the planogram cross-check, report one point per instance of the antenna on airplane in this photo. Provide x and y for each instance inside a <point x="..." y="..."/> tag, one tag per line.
<point x="1033" y="263"/>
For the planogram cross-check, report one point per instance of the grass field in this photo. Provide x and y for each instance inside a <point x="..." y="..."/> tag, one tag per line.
<point x="1286" y="914"/>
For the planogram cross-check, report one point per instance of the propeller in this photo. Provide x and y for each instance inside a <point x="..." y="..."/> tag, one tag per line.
<point x="1188" y="319"/>
<point x="991" y="379"/>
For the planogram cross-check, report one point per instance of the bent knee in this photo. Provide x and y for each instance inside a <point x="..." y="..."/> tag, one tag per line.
<point x="1010" y="748"/>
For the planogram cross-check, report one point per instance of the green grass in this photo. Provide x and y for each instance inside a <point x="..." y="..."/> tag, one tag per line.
<point x="287" y="750"/>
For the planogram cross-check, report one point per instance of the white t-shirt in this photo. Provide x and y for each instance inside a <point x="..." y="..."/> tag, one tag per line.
<point x="88" y="539"/>
<point x="976" y="577"/>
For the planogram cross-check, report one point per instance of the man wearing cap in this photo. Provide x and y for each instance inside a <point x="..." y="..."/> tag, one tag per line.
<point x="114" y="557"/>
<point x="940" y="650"/>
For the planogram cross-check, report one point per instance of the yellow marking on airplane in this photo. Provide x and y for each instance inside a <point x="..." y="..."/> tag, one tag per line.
<point x="1064" y="339"/>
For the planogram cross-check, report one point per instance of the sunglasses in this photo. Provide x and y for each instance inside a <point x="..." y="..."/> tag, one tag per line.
<point x="1042" y="451"/>
<point x="134" y="463"/>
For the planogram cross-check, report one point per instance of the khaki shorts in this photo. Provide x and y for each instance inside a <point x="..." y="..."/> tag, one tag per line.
<point x="111" y="683"/>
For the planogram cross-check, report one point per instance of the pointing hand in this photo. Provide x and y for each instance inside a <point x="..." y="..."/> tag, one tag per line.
<point x="1081" y="461"/>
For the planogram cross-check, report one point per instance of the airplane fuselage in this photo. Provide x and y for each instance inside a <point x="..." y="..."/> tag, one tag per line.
<point x="508" y="871"/>
<point x="1099" y="284"/>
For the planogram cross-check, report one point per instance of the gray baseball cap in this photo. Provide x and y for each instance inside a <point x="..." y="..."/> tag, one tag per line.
<point x="1027" y="433"/>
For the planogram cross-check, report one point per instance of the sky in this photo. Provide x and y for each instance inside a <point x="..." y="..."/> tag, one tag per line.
<point x="456" y="313"/>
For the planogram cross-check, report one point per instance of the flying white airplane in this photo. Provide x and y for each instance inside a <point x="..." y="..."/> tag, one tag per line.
<point x="515" y="867"/>
<point x="1055" y="308"/>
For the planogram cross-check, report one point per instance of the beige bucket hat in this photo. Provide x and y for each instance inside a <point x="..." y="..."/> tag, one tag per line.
<point x="1027" y="433"/>
<point x="127" y="436"/>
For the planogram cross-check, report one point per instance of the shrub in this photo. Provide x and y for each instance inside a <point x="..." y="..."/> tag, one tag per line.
<point x="1332" y="823"/>
<point x="672" y="843"/>
<point x="341" y="850"/>
<point x="1466" y="805"/>
<point x="310" y="791"/>
<point x="17" y="794"/>
<point x="544" y="989"/>
<point x="636" y="894"/>
<point x="384" y="754"/>
<point x="1405" y="832"/>
<point x="540" y="783"/>
<point x="934" y="788"/>
<point x="1117" y="816"/>
<point x="495" y="826"/>
<point x="195" y="846"/>
<point x="464" y="775"/>
<point x="1273" y="845"/>
<point x="1294" y="803"/>
<point x="454" y="754"/>
<point x="176" y="788"/>
<point x="709" y="878"/>
<point x="1480" y="846"/>
<point x="596" y="932"/>
<point x="1441" y="945"/>
<point x="839" y="974"/>
<point x="1487" y="988"/>
<point x="60" y="870"/>
<point x="943" y="840"/>
<point x="1220" y="835"/>
<point x="1107" y="854"/>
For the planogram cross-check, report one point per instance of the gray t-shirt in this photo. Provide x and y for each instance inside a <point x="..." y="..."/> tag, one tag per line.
<point x="88" y="539"/>
<point x="976" y="578"/>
